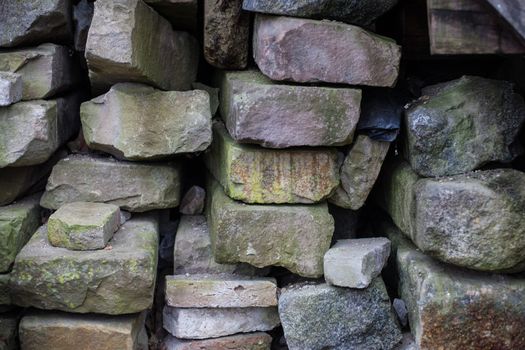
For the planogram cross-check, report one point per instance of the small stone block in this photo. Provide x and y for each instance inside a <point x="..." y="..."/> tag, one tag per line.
<point x="10" y="88"/>
<point x="251" y="341"/>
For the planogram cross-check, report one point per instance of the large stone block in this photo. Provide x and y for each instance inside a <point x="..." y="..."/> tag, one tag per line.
<point x="114" y="281"/>
<point x="251" y="341"/>
<point x="129" y="42"/>
<point x="334" y="52"/>
<point x="257" y="110"/>
<point x="18" y="222"/>
<point x="212" y="323"/>
<point x="226" y="34"/>
<point x="317" y="317"/>
<point x="359" y="172"/>
<point x="33" y="21"/>
<point x="292" y="236"/>
<point x="353" y="11"/>
<point x="46" y="70"/>
<point x="474" y="220"/>
<point x="135" y="187"/>
<point x="453" y="308"/>
<point x="460" y="125"/>
<point x="254" y="174"/>
<point x="138" y="122"/>
<point x="64" y="331"/>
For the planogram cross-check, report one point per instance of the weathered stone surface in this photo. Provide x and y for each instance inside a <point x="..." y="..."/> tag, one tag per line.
<point x="213" y="323"/>
<point x="257" y="110"/>
<point x="33" y="21"/>
<point x="10" y="88"/>
<point x="354" y="263"/>
<point x="134" y="187"/>
<point x="292" y="236"/>
<point x="64" y="331"/>
<point x="97" y="281"/>
<point x="251" y="341"/>
<point x="30" y="132"/>
<point x="82" y="16"/>
<point x="46" y="70"/>
<point x="138" y="122"/>
<point x="460" y="125"/>
<point x="8" y="330"/>
<point x="182" y="14"/>
<point x="474" y="220"/>
<point x="220" y="291"/>
<point x="129" y="42"/>
<point x="226" y="33"/>
<point x="5" y="291"/>
<point x="453" y="308"/>
<point x="214" y="95"/>
<point x="336" y="53"/>
<point x="356" y="12"/>
<point x="193" y="201"/>
<point x="317" y="317"/>
<point x="83" y="225"/>
<point x="359" y="172"/>
<point x="18" y="222"/>
<point x="254" y="174"/>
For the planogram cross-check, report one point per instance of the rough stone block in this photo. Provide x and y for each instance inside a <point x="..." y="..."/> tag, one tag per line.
<point x="354" y="263"/>
<point x="292" y="236"/>
<point x="141" y="48"/>
<point x="257" y="110"/>
<point x="10" y="88"/>
<point x="114" y="281"/>
<point x="251" y="341"/>
<point x="212" y="323"/>
<point x="254" y="174"/>
<point x="326" y="317"/>
<point x="83" y="225"/>
<point x="220" y="291"/>
<point x="135" y="187"/>
<point x="335" y="52"/>
<point x="138" y="122"/>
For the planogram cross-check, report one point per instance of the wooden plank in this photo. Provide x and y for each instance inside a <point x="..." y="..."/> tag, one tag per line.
<point x="513" y="12"/>
<point x="467" y="27"/>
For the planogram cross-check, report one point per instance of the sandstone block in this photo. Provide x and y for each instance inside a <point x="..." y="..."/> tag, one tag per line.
<point x="142" y="48"/>
<point x="182" y="14"/>
<point x="354" y="263"/>
<point x="257" y="110"/>
<point x="292" y="236"/>
<point x="8" y="331"/>
<point x="135" y="187"/>
<point x="18" y="222"/>
<point x="220" y="291"/>
<point x="258" y="175"/>
<point x="193" y="201"/>
<point x="325" y="317"/>
<point x="138" y="122"/>
<point x="10" y="88"/>
<point x="83" y="225"/>
<point x="460" y="125"/>
<point x="98" y="281"/>
<point x="212" y="323"/>
<point x="337" y="52"/>
<point x="251" y="341"/>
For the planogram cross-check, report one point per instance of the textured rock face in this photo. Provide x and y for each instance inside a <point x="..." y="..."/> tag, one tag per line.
<point x="454" y="308"/>
<point x="292" y="236"/>
<point x="213" y="323"/>
<point x="138" y="122"/>
<point x="62" y="331"/>
<point x="220" y="291"/>
<point x="97" y="281"/>
<point x="337" y="53"/>
<point x="354" y="263"/>
<point x="33" y="21"/>
<point x="142" y="48"/>
<point x="10" y="88"/>
<point x="460" y="125"/>
<point x="353" y="11"/>
<point x="18" y="222"/>
<point x="473" y="220"/>
<point x="320" y="317"/>
<point x="359" y="172"/>
<point x="226" y="32"/>
<point x="134" y="187"/>
<point x="83" y="225"/>
<point x="257" y="110"/>
<point x="251" y="341"/>
<point x="254" y="174"/>
<point x="46" y="70"/>
<point x="30" y="132"/>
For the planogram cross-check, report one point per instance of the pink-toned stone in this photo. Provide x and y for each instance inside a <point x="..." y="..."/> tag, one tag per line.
<point x="252" y="341"/>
